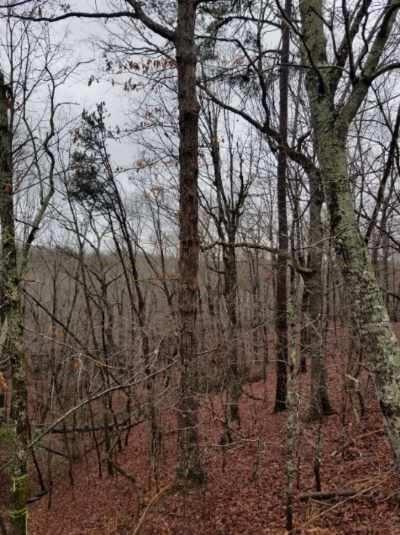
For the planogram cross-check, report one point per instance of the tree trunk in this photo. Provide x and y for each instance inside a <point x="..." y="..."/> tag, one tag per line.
<point x="368" y="312"/>
<point x="12" y="314"/>
<point x="281" y="287"/>
<point x="313" y="290"/>
<point x="230" y="295"/>
<point x="330" y="129"/>
<point x="189" y="468"/>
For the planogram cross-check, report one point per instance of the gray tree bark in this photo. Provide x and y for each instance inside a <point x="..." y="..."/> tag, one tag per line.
<point x="330" y="124"/>
<point x="12" y="314"/>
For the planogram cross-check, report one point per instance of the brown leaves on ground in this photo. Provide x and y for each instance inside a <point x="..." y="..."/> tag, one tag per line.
<point x="245" y="493"/>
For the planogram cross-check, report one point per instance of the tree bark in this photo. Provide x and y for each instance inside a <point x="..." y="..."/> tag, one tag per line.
<point x="12" y="314"/>
<point x="281" y="321"/>
<point x="330" y="129"/>
<point x="189" y="468"/>
<point x="313" y="290"/>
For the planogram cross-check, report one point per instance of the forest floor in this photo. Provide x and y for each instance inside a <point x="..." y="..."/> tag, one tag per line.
<point x="245" y="492"/>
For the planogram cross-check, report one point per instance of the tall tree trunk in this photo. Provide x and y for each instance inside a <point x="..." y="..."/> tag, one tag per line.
<point x="189" y="468"/>
<point x="281" y="288"/>
<point x="12" y="314"/>
<point x="330" y="128"/>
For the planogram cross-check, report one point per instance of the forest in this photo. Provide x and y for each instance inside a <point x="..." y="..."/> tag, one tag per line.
<point x="199" y="267"/>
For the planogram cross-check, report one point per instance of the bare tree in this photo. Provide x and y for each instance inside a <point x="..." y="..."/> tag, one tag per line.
<point x="183" y="39"/>
<point x="231" y="183"/>
<point x="335" y="96"/>
<point x="28" y="166"/>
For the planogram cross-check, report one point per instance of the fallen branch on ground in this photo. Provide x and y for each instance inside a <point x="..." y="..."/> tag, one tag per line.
<point x="327" y="495"/>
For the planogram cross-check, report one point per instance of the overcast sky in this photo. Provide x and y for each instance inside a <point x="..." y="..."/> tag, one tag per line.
<point x="81" y="37"/>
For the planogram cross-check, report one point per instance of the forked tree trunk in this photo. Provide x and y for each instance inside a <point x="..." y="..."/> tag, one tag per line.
<point x="189" y="468"/>
<point x="330" y="128"/>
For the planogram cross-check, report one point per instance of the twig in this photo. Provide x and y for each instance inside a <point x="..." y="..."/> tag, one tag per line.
<point x="336" y="505"/>
<point x="123" y="472"/>
<point x="148" y="506"/>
